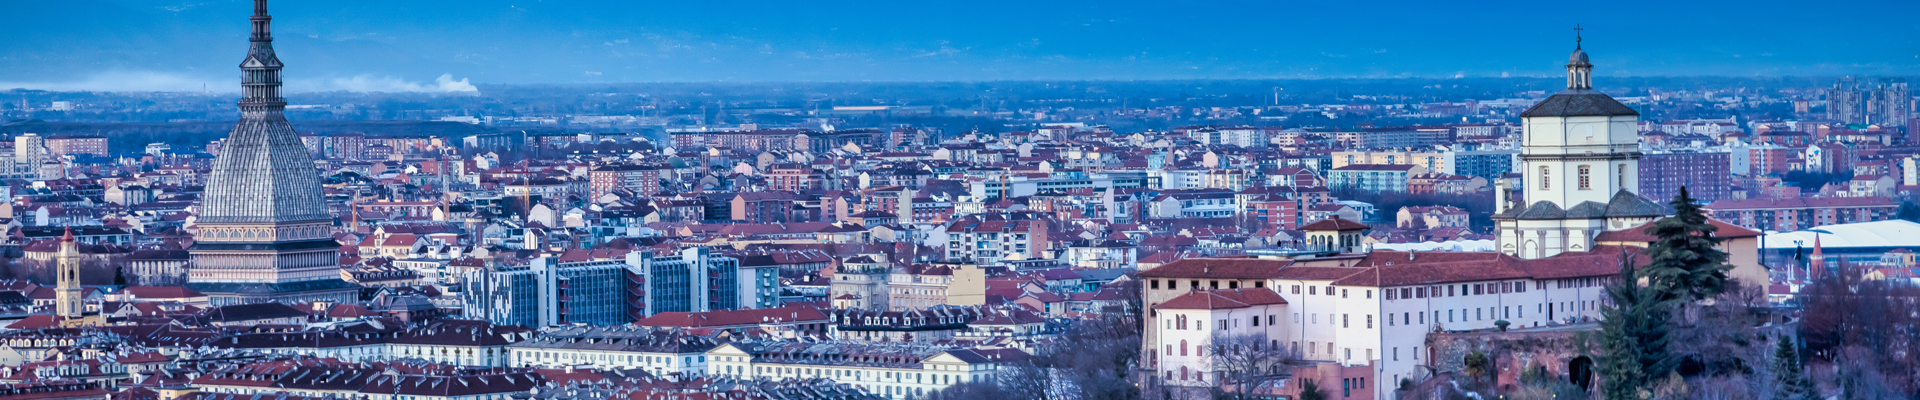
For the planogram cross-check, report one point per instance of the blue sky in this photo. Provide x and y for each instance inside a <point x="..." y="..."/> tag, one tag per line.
<point x="398" y="45"/>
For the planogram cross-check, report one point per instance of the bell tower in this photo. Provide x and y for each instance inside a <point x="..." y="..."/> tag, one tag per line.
<point x="68" y="294"/>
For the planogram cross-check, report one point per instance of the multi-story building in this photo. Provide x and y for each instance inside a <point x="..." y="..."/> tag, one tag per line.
<point x="751" y="140"/>
<point x="861" y="283"/>
<point x="1372" y="311"/>
<point x="1476" y="131"/>
<point x="74" y="145"/>
<point x="988" y="241"/>
<point x="919" y="286"/>
<point x="639" y="179"/>
<point x="1274" y="211"/>
<point x="1196" y="203"/>
<point x="1373" y="177"/>
<point x="1191" y="323"/>
<point x="1431" y="217"/>
<point x="695" y="280"/>
<point x="450" y="341"/>
<point x="894" y="370"/>
<point x="345" y="146"/>
<point x="1243" y="136"/>
<point x="1797" y="213"/>
<point x="1772" y="159"/>
<point x="547" y="292"/>
<point x="1707" y="176"/>
<point x="1432" y="161"/>
<point x="1488" y="164"/>
<point x="763" y="207"/>
<point x="792" y="177"/>
<point x="1379" y="138"/>
<point x="661" y="352"/>
<point x="1886" y="102"/>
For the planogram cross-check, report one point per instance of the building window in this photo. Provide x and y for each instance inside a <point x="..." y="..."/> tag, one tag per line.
<point x="1586" y="177"/>
<point x="1623" y="176"/>
<point x="1546" y="180"/>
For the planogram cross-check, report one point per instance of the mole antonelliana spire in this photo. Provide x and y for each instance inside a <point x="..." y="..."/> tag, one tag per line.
<point x="264" y="233"/>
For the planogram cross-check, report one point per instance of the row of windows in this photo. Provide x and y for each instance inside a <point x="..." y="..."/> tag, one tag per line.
<point x="1464" y="290"/>
<point x="1585" y="177"/>
<point x="1179" y="322"/>
<point x="1214" y="284"/>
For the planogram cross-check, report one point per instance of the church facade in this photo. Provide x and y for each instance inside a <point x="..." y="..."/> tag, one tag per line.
<point x="1581" y="157"/>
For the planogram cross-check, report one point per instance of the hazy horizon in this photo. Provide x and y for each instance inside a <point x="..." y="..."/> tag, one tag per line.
<point x="445" y="46"/>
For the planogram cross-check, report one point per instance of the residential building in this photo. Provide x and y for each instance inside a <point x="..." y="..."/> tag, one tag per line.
<point x="896" y="371"/>
<point x="695" y="280"/>
<point x="1420" y="217"/>
<point x="1797" y="213"/>
<point x="987" y="241"/>
<point x="1373" y="177"/>
<point x="547" y="292"/>
<point x="1373" y="311"/>
<point x="1707" y="176"/>
<point x="659" y="351"/>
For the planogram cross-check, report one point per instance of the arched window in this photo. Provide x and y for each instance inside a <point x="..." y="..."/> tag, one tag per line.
<point x="1183" y="349"/>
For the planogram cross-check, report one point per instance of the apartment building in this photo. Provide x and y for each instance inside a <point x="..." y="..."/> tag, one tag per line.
<point x="894" y="370"/>
<point x="1373" y="309"/>
<point x="661" y="352"/>
<point x="988" y="241"/>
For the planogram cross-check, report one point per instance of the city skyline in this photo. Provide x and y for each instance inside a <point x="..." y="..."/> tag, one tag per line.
<point x="449" y="47"/>
<point x="424" y="228"/>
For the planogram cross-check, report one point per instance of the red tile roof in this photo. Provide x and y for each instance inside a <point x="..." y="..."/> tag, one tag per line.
<point x="1222" y="299"/>
<point x="1638" y="234"/>
<point x="1225" y="268"/>
<point x="1334" y="224"/>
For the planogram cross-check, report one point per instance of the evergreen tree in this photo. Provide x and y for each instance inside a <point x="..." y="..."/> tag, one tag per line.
<point x="1633" y="338"/>
<point x="1311" y="391"/>
<point x="1789" y="375"/>
<point x="1685" y="265"/>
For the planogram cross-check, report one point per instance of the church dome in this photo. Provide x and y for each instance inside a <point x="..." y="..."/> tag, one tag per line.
<point x="1579" y="57"/>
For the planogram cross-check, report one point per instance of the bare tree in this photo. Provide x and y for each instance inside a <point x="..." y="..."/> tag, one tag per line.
<point x="1029" y="380"/>
<point x="1246" y="363"/>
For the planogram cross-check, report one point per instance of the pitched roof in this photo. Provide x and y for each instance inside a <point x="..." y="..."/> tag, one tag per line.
<point x="1334" y="224"/>
<point x="1578" y="103"/>
<point x="1222" y="299"/>
<point x="1226" y="268"/>
<point x="1638" y="234"/>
